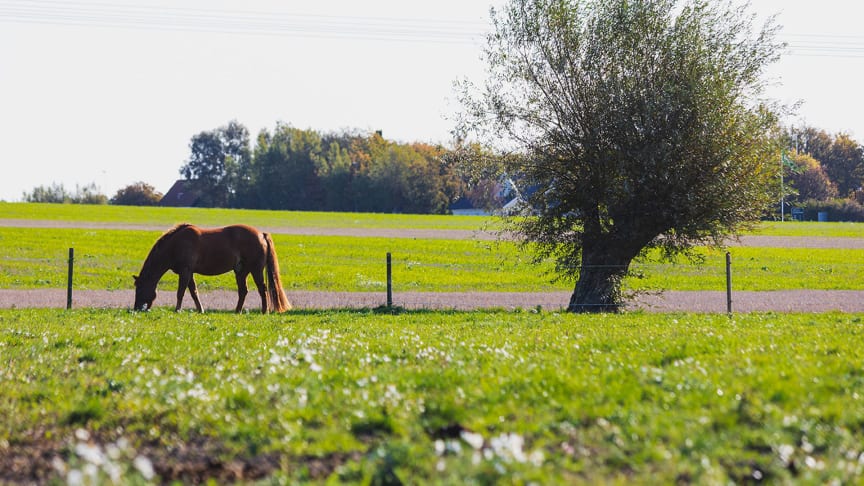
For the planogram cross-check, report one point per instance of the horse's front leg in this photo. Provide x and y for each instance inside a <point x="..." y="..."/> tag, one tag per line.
<point x="193" y="291"/>
<point x="185" y="278"/>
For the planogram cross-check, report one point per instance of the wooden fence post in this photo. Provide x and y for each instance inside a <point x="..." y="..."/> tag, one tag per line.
<point x="389" y="280"/>
<point x="728" y="283"/>
<point x="69" y="279"/>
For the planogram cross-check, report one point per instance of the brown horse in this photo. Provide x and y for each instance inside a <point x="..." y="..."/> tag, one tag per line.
<point x="187" y="249"/>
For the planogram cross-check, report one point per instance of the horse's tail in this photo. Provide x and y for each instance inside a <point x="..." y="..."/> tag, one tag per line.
<point x="278" y="300"/>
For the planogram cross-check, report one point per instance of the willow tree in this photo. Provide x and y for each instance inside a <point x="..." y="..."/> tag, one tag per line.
<point x="640" y="124"/>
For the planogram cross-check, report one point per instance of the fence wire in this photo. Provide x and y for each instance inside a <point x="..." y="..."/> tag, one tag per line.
<point x="444" y="280"/>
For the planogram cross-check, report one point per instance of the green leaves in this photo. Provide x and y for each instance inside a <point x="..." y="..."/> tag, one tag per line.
<point x="639" y="120"/>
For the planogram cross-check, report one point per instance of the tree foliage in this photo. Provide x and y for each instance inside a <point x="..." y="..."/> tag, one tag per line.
<point x="216" y="159"/>
<point x="810" y="180"/>
<point x="296" y="169"/>
<point x="844" y="164"/>
<point x="57" y="193"/>
<point x="839" y="155"/>
<point x="639" y="122"/>
<point x="137" y="194"/>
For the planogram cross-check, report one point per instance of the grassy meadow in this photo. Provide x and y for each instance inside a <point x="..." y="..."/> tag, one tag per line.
<point x="96" y="396"/>
<point x="159" y="216"/>
<point x="106" y="258"/>
<point x="436" y="398"/>
<point x="167" y="217"/>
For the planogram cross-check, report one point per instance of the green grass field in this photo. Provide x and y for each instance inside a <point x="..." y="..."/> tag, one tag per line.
<point x="219" y="217"/>
<point x="439" y="398"/>
<point x="102" y="396"/>
<point x="106" y="259"/>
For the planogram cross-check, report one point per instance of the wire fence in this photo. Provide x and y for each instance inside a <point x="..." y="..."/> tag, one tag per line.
<point x="443" y="280"/>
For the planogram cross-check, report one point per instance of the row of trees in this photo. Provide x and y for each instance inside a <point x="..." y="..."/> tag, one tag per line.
<point x="823" y="167"/>
<point x="296" y="169"/>
<point x="289" y="170"/>
<point x="304" y="170"/>
<point x="58" y="193"/>
<point x="137" y="194"/>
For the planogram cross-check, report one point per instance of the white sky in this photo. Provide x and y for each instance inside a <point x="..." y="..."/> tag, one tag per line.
<point x="111" y="92"/>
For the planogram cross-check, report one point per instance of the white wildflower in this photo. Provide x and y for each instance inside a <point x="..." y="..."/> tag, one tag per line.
<point x="439" y="447"/>
<point x="145" y="467"/>
<point x="90" y="453"/>
<point x="75" y="478"/>
<point x="785" y="451"/>
<point x="473" y="439"/>
<point x="509" y="447"/>
<point x="302" y="396"/>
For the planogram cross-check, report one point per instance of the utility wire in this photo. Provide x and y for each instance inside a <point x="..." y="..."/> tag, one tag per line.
<point x="825" y="45"/>
<point x="97" y="14"/>
<point x="247" y="22"/>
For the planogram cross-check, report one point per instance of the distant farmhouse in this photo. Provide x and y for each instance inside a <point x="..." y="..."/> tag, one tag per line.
<point x="465" y="207"/>
<point x="509" y="200"/>
<point x="181" y="195"/>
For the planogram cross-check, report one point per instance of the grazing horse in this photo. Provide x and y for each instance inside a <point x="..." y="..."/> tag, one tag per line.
<point x="187" y="249"/>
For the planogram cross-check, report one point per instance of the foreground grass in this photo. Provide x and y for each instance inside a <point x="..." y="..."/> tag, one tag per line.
<point x="435" y="397"/>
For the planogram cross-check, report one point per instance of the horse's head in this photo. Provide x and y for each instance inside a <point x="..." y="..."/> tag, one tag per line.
<point x="145" y="294"/>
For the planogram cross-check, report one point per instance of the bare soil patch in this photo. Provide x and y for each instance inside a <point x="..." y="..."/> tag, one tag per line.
<point x="669" y="301"/>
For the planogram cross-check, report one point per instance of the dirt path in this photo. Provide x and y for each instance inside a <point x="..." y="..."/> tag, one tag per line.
<point x="670" y="301"/>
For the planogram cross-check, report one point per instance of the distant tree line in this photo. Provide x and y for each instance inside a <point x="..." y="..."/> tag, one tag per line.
<point x="137" y="194"/>
<point x="825" y="173"/>
<point x="295" y="169"/>
<point x="57" y="193"/>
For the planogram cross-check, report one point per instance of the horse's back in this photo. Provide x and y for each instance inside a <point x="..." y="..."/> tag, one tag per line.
<point x="241" y="239"/>
<point x="240" y="236"/>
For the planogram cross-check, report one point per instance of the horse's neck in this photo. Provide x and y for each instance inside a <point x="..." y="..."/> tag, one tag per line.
<point x="154" y="268"/>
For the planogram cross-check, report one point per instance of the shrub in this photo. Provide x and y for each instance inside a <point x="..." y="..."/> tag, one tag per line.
<point x="57" y="193"/>
<point x="837" y="209"/>
<point x="138" y="194"/>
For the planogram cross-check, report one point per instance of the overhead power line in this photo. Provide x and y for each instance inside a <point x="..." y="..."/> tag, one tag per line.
<point x="149" y="17"/>
<point x="246" y="22"/>
<point x="825" y="45"/>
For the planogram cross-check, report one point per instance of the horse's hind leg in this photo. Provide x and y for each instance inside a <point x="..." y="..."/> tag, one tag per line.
<point x="258" y="277"/>
<point x="193" y="291"/>
<point x="242" y="290"/>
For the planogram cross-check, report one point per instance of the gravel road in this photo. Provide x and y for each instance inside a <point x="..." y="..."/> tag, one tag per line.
<point x="670" y="301"/>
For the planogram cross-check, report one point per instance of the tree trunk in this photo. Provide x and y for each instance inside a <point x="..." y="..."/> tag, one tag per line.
<point x="598" y="289"/>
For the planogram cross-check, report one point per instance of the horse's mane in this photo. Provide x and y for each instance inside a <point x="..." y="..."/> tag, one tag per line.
<point x="152" y="256"/>
<point x="168" y="234"/>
